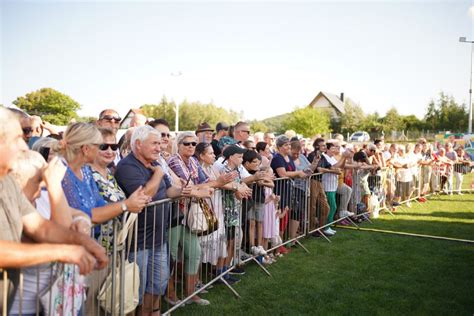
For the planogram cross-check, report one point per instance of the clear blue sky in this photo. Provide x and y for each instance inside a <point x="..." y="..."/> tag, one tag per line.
<point x="261" y="58"/>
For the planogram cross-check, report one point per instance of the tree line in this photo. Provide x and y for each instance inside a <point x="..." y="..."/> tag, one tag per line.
<point x="442" y="114"/>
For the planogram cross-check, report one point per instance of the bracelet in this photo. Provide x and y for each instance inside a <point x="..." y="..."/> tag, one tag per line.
<point x="79" y="218"/>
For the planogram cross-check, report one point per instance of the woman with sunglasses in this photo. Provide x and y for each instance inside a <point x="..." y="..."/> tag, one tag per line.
<point x="187" y="168"/>
<point x="80" y="147"/>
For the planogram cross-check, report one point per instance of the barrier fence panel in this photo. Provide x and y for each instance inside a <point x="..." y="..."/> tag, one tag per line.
<point x="174" y="250"/>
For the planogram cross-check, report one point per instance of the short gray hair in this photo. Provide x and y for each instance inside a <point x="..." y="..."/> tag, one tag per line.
<point x="184" y="135"/>
<point x="43" y="142"/>
<point x="26" y="166"/>
<point x="141" y="133"/>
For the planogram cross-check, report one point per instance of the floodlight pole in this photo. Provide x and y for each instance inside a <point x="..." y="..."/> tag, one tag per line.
<point x="469" y="127"/>
<point x="176" y="120"/>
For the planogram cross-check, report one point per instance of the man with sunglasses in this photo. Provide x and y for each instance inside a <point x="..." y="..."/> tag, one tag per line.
<point x="109" y="118"/>
<point x="222" y="129"/>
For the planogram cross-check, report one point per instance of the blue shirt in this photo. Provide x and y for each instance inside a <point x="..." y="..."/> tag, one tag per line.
<point x="130" y="175"/>
<point x="82" y="195"/>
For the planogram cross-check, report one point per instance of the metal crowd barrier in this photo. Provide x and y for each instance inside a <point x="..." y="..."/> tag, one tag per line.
<point x="164" y="264"/>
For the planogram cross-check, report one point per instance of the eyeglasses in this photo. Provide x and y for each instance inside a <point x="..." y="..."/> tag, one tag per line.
<point x="27" y="130"/>
<point x="111" y="118"/>
<point x="104" y="147"/>
<point x="165" y="135"/>
<point x="248" y="132"/>
<point x="189" y="143"/>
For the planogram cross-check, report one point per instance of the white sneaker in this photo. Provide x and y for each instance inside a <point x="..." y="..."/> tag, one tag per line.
<point x="332" y="230"/>
<point x="408" y="204"/>
<point x="255" y="251"/>
<point x="328" y="232"/>
<point x="262" y="251"/>
<point x="345" y="214"/>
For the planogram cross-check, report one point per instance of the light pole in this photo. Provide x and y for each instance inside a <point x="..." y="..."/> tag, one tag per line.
<point x="176" y="119"/>
<point x="469" y="127"/>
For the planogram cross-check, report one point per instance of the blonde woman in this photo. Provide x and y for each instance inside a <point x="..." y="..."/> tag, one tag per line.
<point x="80" y="147"/>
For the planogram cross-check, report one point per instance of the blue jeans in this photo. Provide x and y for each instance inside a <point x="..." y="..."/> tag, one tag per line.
<point x="154" y="270"/>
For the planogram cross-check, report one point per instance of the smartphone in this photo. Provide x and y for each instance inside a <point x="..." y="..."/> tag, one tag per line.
<point x="44" y="151"/>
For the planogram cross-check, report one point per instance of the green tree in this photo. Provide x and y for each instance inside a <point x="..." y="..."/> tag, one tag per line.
<point x="412" y="123"/>
<point x="372" y="123"/>
<point x="309" y="121"/>
<point x="276" y="124"/>
<point x="191" y="114"/>
<point x="445" y="114"/>
<point x="86" y="119"/>
<point x="258" y="126"/>
<point x="165" y="109"/>
<point x="51" y="105"/>
<point x="393" y="121"/>
<point x="352" y="118"/>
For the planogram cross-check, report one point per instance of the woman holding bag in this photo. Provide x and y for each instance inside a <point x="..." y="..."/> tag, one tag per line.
<point x="187" y="168"/>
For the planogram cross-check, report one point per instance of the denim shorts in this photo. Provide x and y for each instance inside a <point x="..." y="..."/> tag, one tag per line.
<point x="154" y="270"/>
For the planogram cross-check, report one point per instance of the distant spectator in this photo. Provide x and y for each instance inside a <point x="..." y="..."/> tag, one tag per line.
<point x="222" y="130"/>
<point x="204" y="133"/>
<point x="138" y="120"/>
<point x="249" y="144"/>
<point x="109" y="118"/>
<point x="269" y="138"/>
<point x="258" y="137"/>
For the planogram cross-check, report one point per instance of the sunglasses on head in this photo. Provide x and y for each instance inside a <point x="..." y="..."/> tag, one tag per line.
<point x="114" y="147"/>
<point x="165" y="135"/>
<point x="189" y="143"/>
<point x="27" y="130"/>
<point x="111" y="118"/>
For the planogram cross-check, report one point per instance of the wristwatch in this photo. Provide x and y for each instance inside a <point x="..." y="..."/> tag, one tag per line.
<point x="124" y="207"/>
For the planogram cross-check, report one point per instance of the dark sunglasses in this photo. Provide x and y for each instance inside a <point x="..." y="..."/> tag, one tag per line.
<point x="27" y="130"/>
<point x="114" y="147"/>
<point x="166" y="135"/>
<point x="111" y="118"/>
<point x="248" y="132"/>
<point x="190" y="143"/>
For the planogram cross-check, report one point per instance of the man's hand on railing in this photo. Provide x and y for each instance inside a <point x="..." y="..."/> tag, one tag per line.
<point x="137" y="201"/>
<point x="77" y="255"/>
<point x="202" y="192"/>
<point x="243" y="191"/>
<point x="225" y="178"/>
<point x="97" y="252"/>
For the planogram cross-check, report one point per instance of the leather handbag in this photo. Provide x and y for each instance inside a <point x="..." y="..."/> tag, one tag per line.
<point x="200" y="217"/>
<point x="131" y="278"/>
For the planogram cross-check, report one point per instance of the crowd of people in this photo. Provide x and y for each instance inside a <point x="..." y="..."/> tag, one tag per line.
<point x="63" y="199"/>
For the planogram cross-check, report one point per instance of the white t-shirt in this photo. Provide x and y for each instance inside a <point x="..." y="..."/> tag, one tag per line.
<point x="330" y="179"/>
<point x="404" y="174"/>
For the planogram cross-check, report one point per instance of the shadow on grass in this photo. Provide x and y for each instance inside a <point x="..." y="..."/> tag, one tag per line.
<point x="455" y="215"/>
<point x="451" y="229"/>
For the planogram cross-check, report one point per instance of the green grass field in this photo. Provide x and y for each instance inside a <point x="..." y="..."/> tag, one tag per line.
<point x="363" y="272"/>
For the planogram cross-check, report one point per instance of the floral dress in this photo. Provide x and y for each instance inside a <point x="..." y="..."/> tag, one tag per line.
<point x="112" y="193"/>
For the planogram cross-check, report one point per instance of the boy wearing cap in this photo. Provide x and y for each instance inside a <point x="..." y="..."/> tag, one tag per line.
<point x="233" y="156"/>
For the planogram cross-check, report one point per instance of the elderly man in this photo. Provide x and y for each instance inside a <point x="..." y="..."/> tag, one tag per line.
<point x="18" y="217"/>
<point x="204" y="133"/>
<point x="109" y="118"/>
<point x="141" y="168"/>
